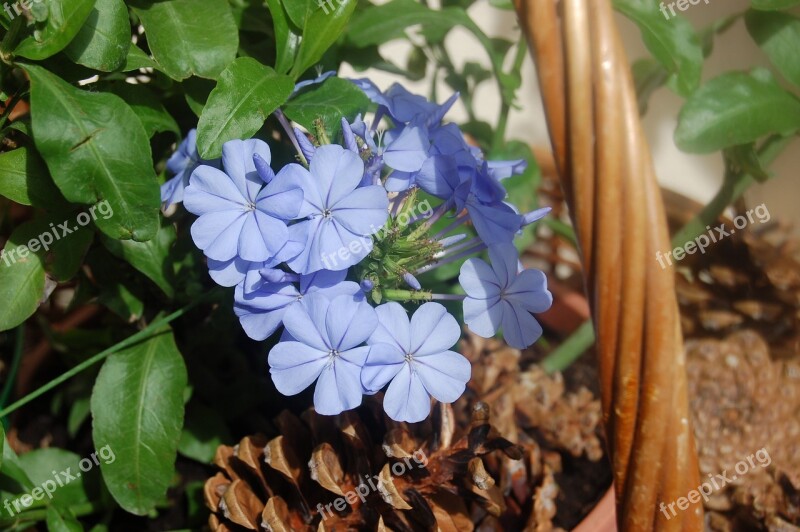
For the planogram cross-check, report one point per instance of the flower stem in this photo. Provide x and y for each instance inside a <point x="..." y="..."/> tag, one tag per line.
<point x="406" y="295"/>
<point x="448" y="297"/>
<point x="12" y="372"/>
<point x="733" y="187"/>
<point x="290" y="133"/>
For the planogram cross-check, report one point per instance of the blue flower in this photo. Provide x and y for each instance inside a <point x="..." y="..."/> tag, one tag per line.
<point x="415" y="356"/>
<point x="261" y="311"/>
<point x="181" y="165"/>
<point x="235" y="271"/>
<point x="319" y="79"/>
<point x="326" y="335"/>
<point x="341" y="215"/>
<point x="499" y="296"/>
<point x="238" y="215"/>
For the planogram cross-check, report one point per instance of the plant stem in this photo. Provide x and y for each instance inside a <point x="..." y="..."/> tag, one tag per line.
<point x="10" y="39"/>
<point x="572" y="348"/>
<point x="145" y="333"/>
<point x="732" y="188"/>
<point x="12" y="373"/>
<point x="78" y="510"/>
<point x="406" y="295"/>
<point x="498" y="141"/>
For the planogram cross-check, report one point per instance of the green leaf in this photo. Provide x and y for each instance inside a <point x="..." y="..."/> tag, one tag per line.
<point x="148" y="108"/>
<point x="151" y="257"/>
<point x="21" y="278"/>
<point x="321" y="30"/>
<point x="736" y="108"/>
<point x="205" y="430"/>
<point x="96" y="150"/>
<point x="196" y="91"/>
<point x="299" y="10"/>
<point x="65" y="19"/>
<point x="774" y="5"/>
<point x="137" y="410"/>
<point x="673" y="42"/>
<point x="61" y="520"/>
<point x="778" y="34"/>
<point x="334" y="99"/>
<point x="104" y="39"/>
<point x="387" y="22"/>
<point x="287" y="39"/>
<point x="189" y="37"/>
<point x="648" y="76"/>
<point x="137" y="59"/>
<point x="26" y="180"/>
<point x="78" y="414"/>
<point x="67" y="252"/>
<point x="39" y="465"/>
<point x="246" y="94"/>
<point x="13" y="470"/>
<point x="744" y="159"/>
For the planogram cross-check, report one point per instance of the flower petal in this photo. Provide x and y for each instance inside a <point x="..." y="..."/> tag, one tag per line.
<point x="445" y="375"/>
<point x="349" y="323"/>
<point x="520" y="328"/>
<point x="336" y="172"/>
<point x="211" y="190"/>
<point x="228" y="273"/>
<point x="237" y="160"/>
<point x="478" y="279"/>
<point x="433" y="330"/>
<point x="217" y="233"/>
<point x="383" y="363"/>
<point x="282" y="198"/>
<point x="505" y="260"/>
<point x="363" y="211"/>
<point x="529" y="290"/>
<point x="393" y="327"/>
<point x="483" y="316"/>
<point x="338" y="388"/>
<point x="406" y="398"/>
<point x="408" y="151"/>
<point x="294" y="366"/>
<point x="306" y="322"/>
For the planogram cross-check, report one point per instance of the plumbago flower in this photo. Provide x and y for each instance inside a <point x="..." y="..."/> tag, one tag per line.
<point x="325" y="347"/>
<point x="415" y="357"/>
<point x="340" y="214"/>
<point x="500" y="295"/>
<point x="181" y="165"/>
<point x="238" y="215"/>
<point x="332" y="254"/>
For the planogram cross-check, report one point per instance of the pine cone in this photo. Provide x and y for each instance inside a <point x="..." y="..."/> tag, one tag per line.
<point x="747" y="406"/>
<point x="491" y="461"/>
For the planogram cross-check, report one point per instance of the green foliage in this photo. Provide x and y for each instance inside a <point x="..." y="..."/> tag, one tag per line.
<point x="736" y="108"/>
<point x="246" y="94"/>
<point x="104" y="39"/>
<point x="672" y="42"/>
<point x="189" y="37"/>
<point x="96" y="150"/>
<point x="778" y="34"/>
<point x="336" y="98"/>
<point x="65" y="18"/>
<point x="137" y="410"/>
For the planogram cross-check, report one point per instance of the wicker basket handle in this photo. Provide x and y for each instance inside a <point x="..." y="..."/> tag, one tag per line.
<point x="609" y="182"/>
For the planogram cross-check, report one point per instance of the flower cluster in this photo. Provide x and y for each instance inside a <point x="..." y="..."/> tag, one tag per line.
<point x="328" y="250"/>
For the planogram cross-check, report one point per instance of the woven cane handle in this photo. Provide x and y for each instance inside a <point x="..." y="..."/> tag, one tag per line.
<point x="605" y="168"/>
